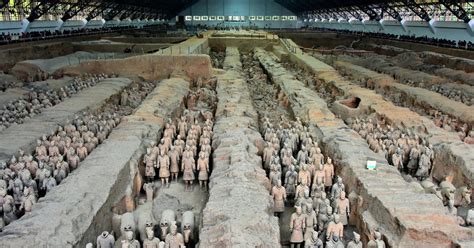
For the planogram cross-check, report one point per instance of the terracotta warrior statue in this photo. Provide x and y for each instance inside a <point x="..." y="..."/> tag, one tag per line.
<point x="163" y="163"/>
<point x="29" y="199"/>
<point x="149" y="161"/>
<point x="397" y="159"/>
<point x="174" y="239"/>
<point x="318" y="187"/>
<point x="203" y="168"/>
<point x="297" y="226"/>
<point x="300" y="189"/>
<point x="342" y="208"/>
<point x="335" y="228"/>
<point x="149" y="189"/>
<point x="279" y="198"/>
<point x="267" y="155"/>
<point x="311" y="220"/>
<point x="130" y="241"/>
<point x="313" y="241"/>
<point x="424" y="167"/>
<point x="151" y="241"/>
<point x="174" y="159"/>
<point x="290" y="182"/>
<point x="81" y="151"/>
<point x="48" y="182"/>
<point x="105" y="240"/>
<point x="334" y="242"/>
<point x="304" y="175"/>
<point x="188" y="167"/>
<point x="328" y="174"/>
<point x="378" y="240"/>
<point x="355" y="243"/>
<point x="182" y="126"/>
<point x="336" y="189"/>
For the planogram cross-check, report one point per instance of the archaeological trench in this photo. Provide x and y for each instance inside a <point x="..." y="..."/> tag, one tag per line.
<point x="235" y="140"/>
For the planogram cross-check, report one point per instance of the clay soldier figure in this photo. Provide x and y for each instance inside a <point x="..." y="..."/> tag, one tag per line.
<point x="203" y="168"/>
<point x="41" y="173"/>
<point x="378" y="240"/>
<point x="311" y="220"/>
<point x="73" y="160"/>
<point x="197" y="127"/>
<point x="334" y="242"/>
<point x="149" y="161"/>
<point x="342" y="208"/>
<point x="59" y="172"/>
<point x="336" y="189"/>
<point x="29" y="183"/>
<point x="172" y="126"/>
<point x="45" y="141"/>
<point x="206" y="147"/>
<point x="319" y="173"/>
<point x="124" y="98"/>
<point x="53" y="150"/>
<point x="151" y="241"/>
<point x="17" y="190"/>
<point x="14" y="164"/>
<point x="40" y="150"/>
<point x="300" y="189"/>
<point x="49" y="182"/>
<point x="290" y="182"/>
<point x="163" y="147"/>
<point x="105" y="240"/>
<point x="413" y="163"/>
<point x="174" y="239"/>
<point x="82" y="151"/>
<point x="130" y="241"/>
<point x="8" y="206"/>
<point x="188" y="167"/>
<point x="286" y="160"/>
<point x="328" y="174"/>
<point x="355" y="243"/>
<point x="313" y="241"/>
<point x="163" y="163"/>
<point x="424" y="166"/>
<point x="297" y="225"/>
<point x="155" y="151"/>
<point x="279" y="197"/>
<point x="397" y="159"/>
<point x="304" y="175"/>
<point x="318" y="187"/>
<point x="275" y="173"/>
<point x="302" y="156"/>
<point x="178" y="146"/>
<point x="149" y="189"/>
<point x="174" y="160"/>
<point x="286" y="151"/>
<point x="31" y="165"/>
<point x="370" y="126"/>
<point x="22" y="157"/>
<point x="267" y="155"/>
<point x="188" y="152"/>
<point x="182" y="126"/>
<point x="336" y="228"/>
<point x="305" y="203"/>
<point x="28" y="200"/>
<point x="311" y="168"/>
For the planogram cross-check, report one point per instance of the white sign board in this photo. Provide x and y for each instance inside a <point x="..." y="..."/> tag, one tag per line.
<point x="371" y="165"/>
